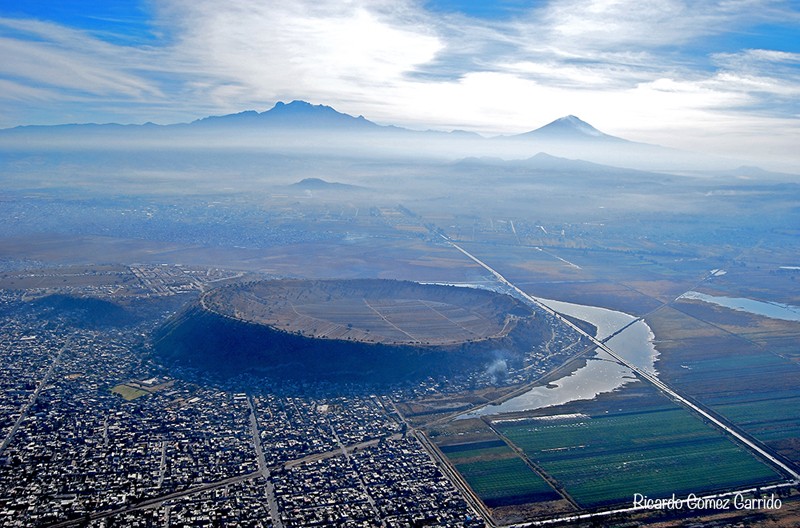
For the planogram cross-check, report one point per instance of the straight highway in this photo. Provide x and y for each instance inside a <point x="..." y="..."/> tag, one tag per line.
<point x="27" y="407"/>
<point x="706" y="414"/>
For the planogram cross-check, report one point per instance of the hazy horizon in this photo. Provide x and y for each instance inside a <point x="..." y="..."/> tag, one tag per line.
<point x="715" y="77"/>
<point x="335" y="312"/>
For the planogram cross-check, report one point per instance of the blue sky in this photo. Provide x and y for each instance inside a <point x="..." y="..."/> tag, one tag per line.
<point x="120" y="22"/>
<point x="718" y="76"/>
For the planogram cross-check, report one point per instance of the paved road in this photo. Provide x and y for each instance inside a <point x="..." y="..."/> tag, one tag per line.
<point x="346" y="453"/>
<point x="447" y="468"/>
<point x="157" y="501"/>
<point x="455" y="477"/>
<point x="27" y="407"/>
<point x="162" y="466"/>
<point x="272" y="502"/>
<point x="718" y="421"/>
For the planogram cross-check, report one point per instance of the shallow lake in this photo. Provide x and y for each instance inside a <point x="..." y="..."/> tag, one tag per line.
<point x="601" y="373"/>
<point x="785" y="312"/>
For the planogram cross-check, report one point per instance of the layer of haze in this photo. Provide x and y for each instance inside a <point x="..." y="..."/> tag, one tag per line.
<point x="716" y="77"/>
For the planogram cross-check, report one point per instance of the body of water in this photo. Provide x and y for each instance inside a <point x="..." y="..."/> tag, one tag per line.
<point x="785" y="312"/>
<point x="601" y="373"/>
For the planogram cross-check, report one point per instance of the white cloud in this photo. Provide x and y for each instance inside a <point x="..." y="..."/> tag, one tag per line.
<point x="761" y="62"/>
<point x="626" y="66"/>
<point x="51" y="56"/>
<point x="326" y="51"/>
<point x="22" y="92"/>
<point x="608" y="24"/>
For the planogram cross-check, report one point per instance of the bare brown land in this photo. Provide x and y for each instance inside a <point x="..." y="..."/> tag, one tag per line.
<point x="374" y="311"/>
<point x="353" y="329"/>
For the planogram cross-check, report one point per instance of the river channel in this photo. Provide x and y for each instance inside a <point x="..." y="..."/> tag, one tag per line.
<point x="601" y="373"/>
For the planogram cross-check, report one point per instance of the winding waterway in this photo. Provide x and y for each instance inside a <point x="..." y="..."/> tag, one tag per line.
<point x="601" y="373"/>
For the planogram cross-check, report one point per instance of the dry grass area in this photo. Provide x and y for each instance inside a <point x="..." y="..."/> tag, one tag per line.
<point x="128" y="393"/>
<point x="136" y="389"/>
<point x="389" y="312"/>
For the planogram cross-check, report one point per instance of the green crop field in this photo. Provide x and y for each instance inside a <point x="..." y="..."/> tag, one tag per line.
<point x="488" y="450"/>
<point x="606" y="459"/>
<point x="752" y="381"/>
<point x="769" y="420"/>
<point x="506" y="482"/>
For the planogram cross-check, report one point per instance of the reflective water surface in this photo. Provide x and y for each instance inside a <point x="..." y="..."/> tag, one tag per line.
<point x="785" y="312"/>
<point x="600" y="374"/>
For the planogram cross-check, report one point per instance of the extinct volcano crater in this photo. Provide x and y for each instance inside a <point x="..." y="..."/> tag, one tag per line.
<point x="375" y="329"/>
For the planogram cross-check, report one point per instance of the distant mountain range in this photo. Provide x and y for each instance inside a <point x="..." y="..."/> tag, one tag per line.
<point x="303" y="115"/>
<point x="300" y="127"/>
<point x="297" y="114"/>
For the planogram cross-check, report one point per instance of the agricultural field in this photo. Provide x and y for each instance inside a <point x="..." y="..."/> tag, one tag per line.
<point x="752" y="385"/>
<point x="500" y="478"/>
<point x="598" y="453"/>
<point x="605" y="459"/>
<point x="743" y="367"/>
<point x="391" y="317"/>
<point x="774" y="420"/>
<point x="593" y="293"/>
<point x="505" y="482"/>
<point x="488" y="450"/>
<point x="496" y="474"/>
<point x="622" y="280"/>
<point x="775" y="336"/>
